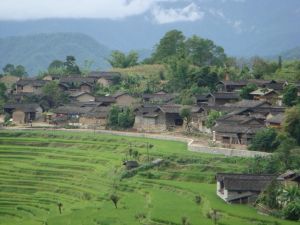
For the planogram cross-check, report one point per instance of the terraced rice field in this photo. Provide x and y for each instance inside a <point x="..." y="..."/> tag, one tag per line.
<point x="41" y="169"/>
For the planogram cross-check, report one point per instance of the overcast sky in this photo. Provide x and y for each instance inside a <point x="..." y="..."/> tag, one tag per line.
<point x="159" y="11"/>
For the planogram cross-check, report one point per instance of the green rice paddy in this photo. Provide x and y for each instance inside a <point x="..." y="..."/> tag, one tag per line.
<point x="80" y="170"/>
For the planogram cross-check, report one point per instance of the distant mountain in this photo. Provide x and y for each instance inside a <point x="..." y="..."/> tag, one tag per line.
<point x="291" y="54"/>
<point x="36" y="52"/>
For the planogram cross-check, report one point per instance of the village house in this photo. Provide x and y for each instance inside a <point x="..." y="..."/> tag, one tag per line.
<point x="81" y="96"/>
<point x="290" y="178"/>
<point x="265" y="94"/>
<point x="124" y="99"/>
<point x="95" y="118"/>
<point x="236" y="129"/>
<point x="275" y="121"/>
<point x="52" y="77"/>
<point x="231" y="86"/>
<point x="9" y="82"/>
<point x="105" y="79"/>
<point x="241" y="188"/>
<point x="157" y="118"/>
<point x="24" y="113"/>
<point x="106" y="100"/>
<point x="72" y="83"/>
<point x="29" y="85"/>
<point x="158" y="98"/>
<point x="221" y="98"/>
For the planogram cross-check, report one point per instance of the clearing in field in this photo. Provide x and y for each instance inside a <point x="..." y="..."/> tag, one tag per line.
<point x="43" y="172"/>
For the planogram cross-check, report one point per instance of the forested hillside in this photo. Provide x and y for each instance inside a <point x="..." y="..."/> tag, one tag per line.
<point x="36" y="51"/>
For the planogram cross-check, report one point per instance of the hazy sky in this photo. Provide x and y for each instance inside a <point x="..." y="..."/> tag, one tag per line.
<point x="158" y="11"/>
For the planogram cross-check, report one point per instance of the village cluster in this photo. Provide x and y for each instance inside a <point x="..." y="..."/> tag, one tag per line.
<point x="155" y="112"/>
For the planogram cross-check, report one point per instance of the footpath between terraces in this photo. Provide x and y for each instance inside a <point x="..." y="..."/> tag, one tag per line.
<point x="192" y="145"/>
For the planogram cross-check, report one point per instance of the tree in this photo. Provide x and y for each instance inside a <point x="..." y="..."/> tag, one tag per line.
<point x="169" y="46"/>
<point x="292" y="122"/>
<point x="118" y="59"/>
<point x="203" y="52"/>
<point x="288" y="155"/>
<point x="19" y="71"/>
<point x="206" y="77"/>
<point x="56" y="64"/>
<point x="120" y="117"/>
<point x="115" y="199"/>
<point x="126" y="118"/>
<point x="290" y="95"/>
<point x="264" y="140"/>
<point x="3" y="97"/>
<point x="245" y="91"/>
<point x="212" y="117"/>
<point x="260" y="67"/>
<point x="8" y="69"/>
<point x="70" y="65"/>
<point x="53" y="95"/>
<point x="112" y="119"/>
<point x="186" y="114"/>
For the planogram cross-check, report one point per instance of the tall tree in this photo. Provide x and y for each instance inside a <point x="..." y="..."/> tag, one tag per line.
<point x="169" y="46"/>
<point x="119" y="59"/>
<point x="53" y="95"/>
<point x="203" y="52"/>
<point x="70" y="65"/>
<point x="292" y="122"/>
<point x="290" y="95"/>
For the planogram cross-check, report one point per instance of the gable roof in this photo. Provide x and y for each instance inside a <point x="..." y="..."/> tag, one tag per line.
<point x="248" y="103"/>
<point x="79" y="93"/>
<point x="77" y="79"/>
<point x="25" y="107"/>
<point x="156" y="97"/>
<point x="277" y="119"/>
<point x="262" y="91"/>
<point x="224" y="95"/>
<point x="170" y="108"/>
<point x="234" y="83"/>
<point x="31" y="81"/>
<point x="245" y="182"/>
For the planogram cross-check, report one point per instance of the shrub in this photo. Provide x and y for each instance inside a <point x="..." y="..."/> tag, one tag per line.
<point x="264" y="140"/>
<point x="292" y="211"/>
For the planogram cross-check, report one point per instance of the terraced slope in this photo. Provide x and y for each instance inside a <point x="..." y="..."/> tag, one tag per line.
<point x="41" y="169"/>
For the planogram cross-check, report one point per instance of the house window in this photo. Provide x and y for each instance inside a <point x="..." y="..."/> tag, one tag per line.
<point x="178" y="122"/>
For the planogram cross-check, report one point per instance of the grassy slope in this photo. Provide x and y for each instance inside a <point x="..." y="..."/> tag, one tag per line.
<point x="40" y="169"/>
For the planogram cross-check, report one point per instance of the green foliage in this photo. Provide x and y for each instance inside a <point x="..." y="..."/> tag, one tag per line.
<point x="287" y="152"/>
<point x="269" y="196"/>
<point x="53" y="94"/>
<point x="115" y="199"/>
<point x="70" y="65"/>
<point x="206" y="77"/>
<point x="290" y="95"/>
<point x="245" y="91"/>
<point x="261" y="67"/>
<point x="118" y="59"/>
<point x="169" y="46"/>
<point x="292" y="211"/>
<point x="3" y="97"/>
<point x="203" y="52"/>
<point x="292" y="122"/>
<point x="186" y="115"/>
<point x="212" y="117"/>
<point x="264" y="140"/>
<point x="18" y="71"/>
<point x="264" y="165"/>
<point x="120" y="117"/>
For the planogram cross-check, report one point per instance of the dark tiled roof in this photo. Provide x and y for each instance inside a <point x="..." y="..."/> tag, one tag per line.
<point x="171" y="108"/>
<point x="98" y="112"/>
<point x="225" y="95"/>
<point x="77" y="79"/>
<point x="234" y="83"/>
<point x="158" y="97"/>
<point x="247" y="104"/>
<point x="79" y="93"/>
<point x="28" y="107"/>
<point x="245" y="182"/>
<point x="33" y="82"/>
<point x="277" y="119"/>
<point x="105" y="99"/>
<point x="72" y="109"/>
